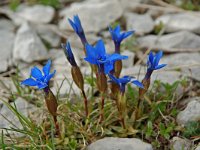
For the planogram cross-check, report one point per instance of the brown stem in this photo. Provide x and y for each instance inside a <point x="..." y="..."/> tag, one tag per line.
<point x="57" y="126"/>
<point x="86" y="103"/>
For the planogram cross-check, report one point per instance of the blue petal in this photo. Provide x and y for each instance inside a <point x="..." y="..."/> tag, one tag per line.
<point x="90" y="51"/>
<point x="115" y="56"/>
<point x="138" y="83"/>
<point x="36" y="73"/>
<point x="73" y="25"/>
<point x="117" y="29"/>
<point x="108" y="67"/>
<point x="46" y="68"/>
<point x="127" y="34"/>
<point x="49" y="77"/>
<point x="42" y="85"/>
<point x="160" y="66"/>
<point x="157" y="58"/>
<point x="78" y="23"/>
<point x="29" y="82"/>
<point x="100" y="48"/>
<point x="150" y="58"/>
<point x="114" y="79"/>
<point x="125" y="80"/>
<point x="90" y="60"/>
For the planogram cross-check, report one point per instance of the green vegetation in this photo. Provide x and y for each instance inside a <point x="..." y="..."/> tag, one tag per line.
<point x="156" y="122"/>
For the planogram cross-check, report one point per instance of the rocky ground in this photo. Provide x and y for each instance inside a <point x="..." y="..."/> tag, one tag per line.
<point x="32" y="34"/>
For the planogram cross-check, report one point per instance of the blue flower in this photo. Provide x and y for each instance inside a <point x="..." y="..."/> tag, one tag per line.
<point x="124" y="80"/>
<point x="97" y="55"/>
<point x="39" y="79"/>
<point x="76" y="25"/>
<point x="69" y="54"/>
<point x="153" y="63"/>
<point x="117" y="37"/>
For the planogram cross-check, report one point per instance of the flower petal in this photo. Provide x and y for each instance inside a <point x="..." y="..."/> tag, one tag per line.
<point x="78" y="23"/>
<point x="157" y="58"/>
<point x="117" y="29"/>
<point x="115" y="56"/>
<point x="36" y="73"/>
<point x="160" y="66"/>
<point x="90" y="60"/>
<point x="73" y="25"/>
<point x="108" y="66"/>
<point x="29" y="82"/>
<point x="138" y="83"/>
<point x="42" y="85"/>
<point x="49" y="77"/>
<point x="114" y="79"/>
<point x="46" y="68"/>
<point x="127" y="34"/>
<point x="90" y="51"/>
<point x="100" y="48"/>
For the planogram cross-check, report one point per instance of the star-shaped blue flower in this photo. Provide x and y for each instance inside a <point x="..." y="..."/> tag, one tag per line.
<point x="117" y="37"/>
<point x="39" y="79"/>
<point x="76" y="25"/>
<point x="124" y="80"/>
<point x="97" y="55"/>
<point x="69" y="54"/>
<point x="153" y="63"/>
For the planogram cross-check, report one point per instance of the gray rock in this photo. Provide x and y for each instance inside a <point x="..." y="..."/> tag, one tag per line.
<point x="76" y="42"/>
<point x="128" y="62"/>
<point x="6" y="24"/>
<point x="112" y="143"/>
<point x="140" y="23"/>
<point x="94" y="14"/>
<point x="37" y="13"/>
<point x="11" y="120"/>
<point x="47" y="33"/>
<point x="175" y="42"/>
<point x="180" y="144"/>
<point x="180" y="21"/>
<point x="28" y="47"/>
<point x="190" y="113"/>
<point x="187" y="63"/>
<point x="131" y="5"/>
<point x="6" y="46"/>
<point x="198" y="148"/>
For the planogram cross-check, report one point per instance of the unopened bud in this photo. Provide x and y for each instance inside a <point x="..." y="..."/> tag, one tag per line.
<point x="118" y="68"/>
<point x="77" y="77"/>
<point x="102" y="82"/>
<point x="146" y="83"/>
<point x="51" y="102"/>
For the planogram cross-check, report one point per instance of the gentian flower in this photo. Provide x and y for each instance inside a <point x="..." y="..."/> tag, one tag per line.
<point x="117" y="37"/>
<point x="68" y="53"/>
<point x="39" y="79"/>
<point x="153" y="63"/>
<point x="97" y="55"/>
<point x="76" y="25"/>
<point x="124" y="80"/>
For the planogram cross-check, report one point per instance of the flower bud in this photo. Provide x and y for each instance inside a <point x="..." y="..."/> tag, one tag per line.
<point x="77" y="77"/>
<point x="146" y="83"/>
<point x="51" y="101"/>
<point x="118" y="68"/>
<point x="102" y="82"/>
